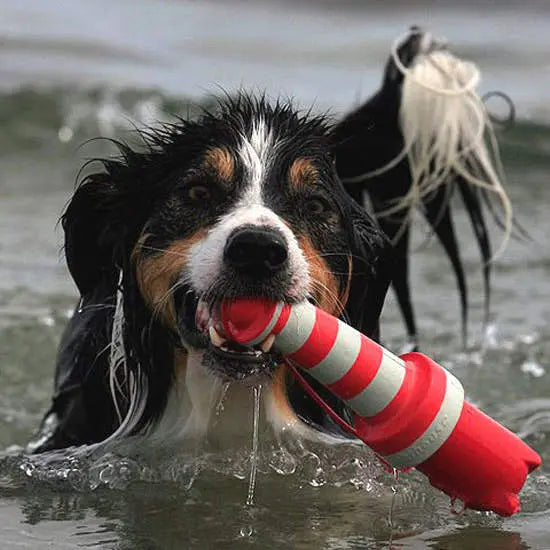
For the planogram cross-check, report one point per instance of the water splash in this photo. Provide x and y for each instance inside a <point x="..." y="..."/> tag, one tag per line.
<point x="254" y="456"/>
<point x="532" y="366"/>
<point x="283" y="461"/>
<point x="220" y="407"/>
<point x="457" y="507"/>
<point x="491" y="338"/>
<point x="246" y="531"/>
<point x="312" y="467"/>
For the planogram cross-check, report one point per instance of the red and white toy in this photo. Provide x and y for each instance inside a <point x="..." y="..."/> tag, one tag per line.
<point x="408" y="409"/>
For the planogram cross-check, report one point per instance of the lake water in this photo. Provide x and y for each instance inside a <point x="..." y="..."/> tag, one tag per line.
<point x="71" y="70"/>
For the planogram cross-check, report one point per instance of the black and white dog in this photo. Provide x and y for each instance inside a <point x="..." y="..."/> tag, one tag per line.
<point x="256" y="199"/>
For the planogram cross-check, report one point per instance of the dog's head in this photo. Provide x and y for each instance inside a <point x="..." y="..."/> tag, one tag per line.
<point x="242" y="202"/>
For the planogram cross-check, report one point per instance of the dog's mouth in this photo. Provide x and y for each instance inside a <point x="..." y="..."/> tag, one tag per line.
<point x="199" y="326"/>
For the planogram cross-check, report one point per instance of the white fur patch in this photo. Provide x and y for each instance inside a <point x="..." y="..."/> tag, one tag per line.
<point x="196" y="399"/>
<point x="191" y="403"/>
<point x="256" y="152"/>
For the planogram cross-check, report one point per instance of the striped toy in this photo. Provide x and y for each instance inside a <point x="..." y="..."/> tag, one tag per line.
<point x="408" y="409"/>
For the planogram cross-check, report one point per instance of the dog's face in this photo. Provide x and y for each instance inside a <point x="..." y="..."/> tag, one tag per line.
<point x="245" y="202"/>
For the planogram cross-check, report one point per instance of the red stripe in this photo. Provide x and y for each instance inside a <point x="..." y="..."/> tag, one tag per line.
<point x="282" y="320"/>
<point x="361" y="373"/>
<point x="320" y="341"/>
<point x="322" y="403"/>
<point x="410" y="412"/>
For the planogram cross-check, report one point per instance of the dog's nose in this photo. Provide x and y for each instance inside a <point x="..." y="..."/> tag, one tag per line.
<point x="256" y="251"/>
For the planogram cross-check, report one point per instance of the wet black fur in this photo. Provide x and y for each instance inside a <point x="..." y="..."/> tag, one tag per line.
<point x="143" y="191"/>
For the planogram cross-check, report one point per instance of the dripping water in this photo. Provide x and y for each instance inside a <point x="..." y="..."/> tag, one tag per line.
<point x="257" y="390"/>
<point x="223" y="395"/>
<point x="392" y="506"/>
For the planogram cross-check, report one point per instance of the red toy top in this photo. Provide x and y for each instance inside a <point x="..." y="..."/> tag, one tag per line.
<point x="246" y="319"/>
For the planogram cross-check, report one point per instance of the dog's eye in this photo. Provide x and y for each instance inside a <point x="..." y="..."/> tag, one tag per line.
<point x="317" y="206"/>
<point x="198" y="192"/>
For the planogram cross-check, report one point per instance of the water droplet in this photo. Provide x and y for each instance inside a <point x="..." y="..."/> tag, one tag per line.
<point x="318" y="479"/>
<point x="391" y="513"/>
<point x="28" y="468"/>
<point x="47" y="320"/>
<point x="283" y="462"/>
<point x="223" y="395"/>
<point x="490" y="338"/>
<point x="532" y="367"/>
<point x="528" y="339"/>
<point x="246" y="531"/>
<point x="257" y="392"/>
<point x="457" y="506"/>
<point x="106" y="474"/>
<point x="475" y="358"/>
<point x="65" y="134"/>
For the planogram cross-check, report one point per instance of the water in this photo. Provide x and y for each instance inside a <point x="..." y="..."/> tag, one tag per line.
<point x="254" y="450"/>
<point x="74" y="70"/>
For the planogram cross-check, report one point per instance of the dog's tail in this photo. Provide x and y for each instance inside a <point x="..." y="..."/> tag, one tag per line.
<point x="423" y="135"/>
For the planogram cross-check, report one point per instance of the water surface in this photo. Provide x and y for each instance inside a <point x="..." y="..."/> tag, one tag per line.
<point x="74" y="70"/>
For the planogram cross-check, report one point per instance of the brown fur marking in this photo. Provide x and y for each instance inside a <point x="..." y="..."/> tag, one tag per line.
<point x="279" y="394"/>
<point x="345" y="294"/>
<point x="302" y="173"/>
<point x="220" y="160"/>
<point x="157" y="274"/>
<point x="325" y="287"/>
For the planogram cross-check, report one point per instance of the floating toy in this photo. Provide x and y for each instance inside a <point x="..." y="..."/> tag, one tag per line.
<point x="408" y="409"/>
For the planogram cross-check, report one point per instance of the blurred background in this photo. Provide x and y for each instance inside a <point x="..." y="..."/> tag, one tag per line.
<point x="71" y="70"/>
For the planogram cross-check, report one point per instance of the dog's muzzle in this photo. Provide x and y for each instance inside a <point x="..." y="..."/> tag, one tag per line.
<point x="256" y="263"/>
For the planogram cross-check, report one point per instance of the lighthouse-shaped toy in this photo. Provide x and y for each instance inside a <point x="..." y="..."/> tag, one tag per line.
<point x="408" y="409"/>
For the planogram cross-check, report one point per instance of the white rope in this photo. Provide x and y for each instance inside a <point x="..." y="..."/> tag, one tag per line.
<point x="446" y="130"/>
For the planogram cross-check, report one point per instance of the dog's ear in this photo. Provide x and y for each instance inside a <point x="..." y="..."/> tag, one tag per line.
<point x="108" y="210"/>
<point x="93" y="232"/>
<point x="372" y="268"/>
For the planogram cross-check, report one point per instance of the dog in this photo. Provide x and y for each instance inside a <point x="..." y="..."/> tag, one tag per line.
<point x="252" y="199"/>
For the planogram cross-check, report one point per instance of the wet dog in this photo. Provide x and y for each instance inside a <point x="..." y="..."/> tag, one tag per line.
<point x="252" y="199"/>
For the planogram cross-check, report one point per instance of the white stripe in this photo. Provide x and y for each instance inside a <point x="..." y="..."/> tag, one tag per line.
<point x="297" y="329"/>
<point x="383" y="387"/>
<point x="341" y="356"/>
<point x="270" y="325"/>
<point x="438" y="431"/>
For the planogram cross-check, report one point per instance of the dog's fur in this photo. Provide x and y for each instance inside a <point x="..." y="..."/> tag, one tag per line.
<point x="150" y="238"/>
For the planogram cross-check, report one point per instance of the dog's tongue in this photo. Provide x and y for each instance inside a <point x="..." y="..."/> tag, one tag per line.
<point x="244" y="319"/>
